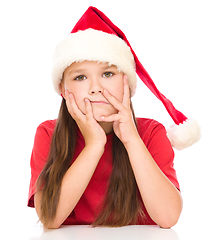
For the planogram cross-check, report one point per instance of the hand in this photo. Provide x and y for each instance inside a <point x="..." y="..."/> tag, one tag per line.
<point x="90" y="129"/>
<point x="123" y="123"/>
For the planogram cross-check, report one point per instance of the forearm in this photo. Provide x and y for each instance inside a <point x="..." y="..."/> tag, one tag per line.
<point x="75" y="182"/>
<point x="161" y="199"/>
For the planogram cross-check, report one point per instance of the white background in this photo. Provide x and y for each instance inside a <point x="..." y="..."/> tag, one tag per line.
<point x="170" y="39"/>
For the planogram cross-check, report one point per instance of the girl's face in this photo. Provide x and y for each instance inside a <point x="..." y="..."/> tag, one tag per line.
<point x="88" y="79"/>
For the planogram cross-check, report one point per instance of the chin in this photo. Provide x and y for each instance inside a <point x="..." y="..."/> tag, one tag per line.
<point x="97" y="115"/>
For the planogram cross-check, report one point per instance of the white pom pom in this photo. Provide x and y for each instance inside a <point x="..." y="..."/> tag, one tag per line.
<point x="185" y="134"/>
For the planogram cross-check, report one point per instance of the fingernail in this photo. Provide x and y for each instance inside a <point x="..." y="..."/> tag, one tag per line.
<point x="105" y="91"/>
<point x="102" y="117"/>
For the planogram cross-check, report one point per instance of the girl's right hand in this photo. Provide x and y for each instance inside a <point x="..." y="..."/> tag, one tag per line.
<point x="90" y="129"/>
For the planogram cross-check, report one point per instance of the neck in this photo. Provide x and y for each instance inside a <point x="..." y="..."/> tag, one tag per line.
<point x="107" y="127"/>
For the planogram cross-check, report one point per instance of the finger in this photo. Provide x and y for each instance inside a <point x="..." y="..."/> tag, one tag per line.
<point x="67" y="98"/>
<point x="111" y="118"/>
<point x="88" y="108"/>
<point x="126" y="95"/>
<point x="112" y="100"/>
<point x="72" y="106"/>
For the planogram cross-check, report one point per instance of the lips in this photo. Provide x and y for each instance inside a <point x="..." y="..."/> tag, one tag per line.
<point x="99" y="102"/>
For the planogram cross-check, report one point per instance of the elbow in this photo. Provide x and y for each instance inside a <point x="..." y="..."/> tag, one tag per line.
<point x="170" y="218"/>
<point x="47" y="224"/>
<point x="168" y="221"/>
<point x="51" y="225"/>
<point x="54" y="224"/>
<point x="167" y="224"/>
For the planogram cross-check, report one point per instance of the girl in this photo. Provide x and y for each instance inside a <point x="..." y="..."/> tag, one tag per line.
<point x="98" y="164"/>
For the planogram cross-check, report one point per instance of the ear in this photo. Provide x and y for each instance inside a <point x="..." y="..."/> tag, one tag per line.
<point x="62" y="89"/>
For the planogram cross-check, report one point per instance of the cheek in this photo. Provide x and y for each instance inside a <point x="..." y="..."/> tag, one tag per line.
<point x="80" y="101"/>
<point x="79" y="96"/>
<point x="117" y="88"/>
<point x="117" y="92"/>
<point x="120" y="94"/>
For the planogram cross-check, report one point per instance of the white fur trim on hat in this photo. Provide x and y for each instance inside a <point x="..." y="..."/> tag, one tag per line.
<point x="185" y="134"/>
<point x="93" y="45"/>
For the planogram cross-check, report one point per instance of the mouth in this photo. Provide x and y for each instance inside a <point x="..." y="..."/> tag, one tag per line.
<point x="99" y="102"/>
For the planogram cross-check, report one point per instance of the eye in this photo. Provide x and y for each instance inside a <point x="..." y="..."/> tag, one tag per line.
<point x="80" y="78"/>
<point x="107" y="74"/>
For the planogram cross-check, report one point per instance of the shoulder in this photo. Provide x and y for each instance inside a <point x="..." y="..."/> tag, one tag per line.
<point x="44" y="134"/>
<point x="154" y="136"/>
<point x="42" y="143"/>
<point x="47" y="126"/>
<point x="147" y="127"/>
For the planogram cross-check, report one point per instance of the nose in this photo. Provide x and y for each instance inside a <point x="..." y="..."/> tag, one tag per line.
<point x="95" y="87"/>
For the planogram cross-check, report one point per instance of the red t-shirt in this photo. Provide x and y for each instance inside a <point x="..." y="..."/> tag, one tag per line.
<point x="154" y="137"/>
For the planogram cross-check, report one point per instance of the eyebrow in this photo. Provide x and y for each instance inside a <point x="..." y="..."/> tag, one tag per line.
<point x="107" y="67"/>
<point x="82" y="70"/>
<point x="76" y="71"/>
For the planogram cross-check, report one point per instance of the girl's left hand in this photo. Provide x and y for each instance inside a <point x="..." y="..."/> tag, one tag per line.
<point x="123" y="123"/>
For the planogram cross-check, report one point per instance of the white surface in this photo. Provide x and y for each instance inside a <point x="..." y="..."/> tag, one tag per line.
<point x="171" y="41"/>
<point x="32" y="230"/>
<point x="89" y="233"/>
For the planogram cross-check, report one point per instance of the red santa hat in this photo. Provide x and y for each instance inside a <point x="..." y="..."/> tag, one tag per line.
<point x="96" y="38"/>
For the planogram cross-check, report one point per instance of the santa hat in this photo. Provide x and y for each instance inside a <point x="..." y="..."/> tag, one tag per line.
<point x="96" y="38"/>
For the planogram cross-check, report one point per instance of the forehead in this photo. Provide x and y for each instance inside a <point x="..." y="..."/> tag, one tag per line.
<point x="87" y="65"/>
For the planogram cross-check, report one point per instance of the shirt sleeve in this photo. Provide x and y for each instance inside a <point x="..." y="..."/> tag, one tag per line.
<point x="162" y="152"/>
<point x="38" y="158"/>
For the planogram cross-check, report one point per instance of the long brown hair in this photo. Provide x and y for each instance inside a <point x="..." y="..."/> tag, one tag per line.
<point x="122" y="205"/>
